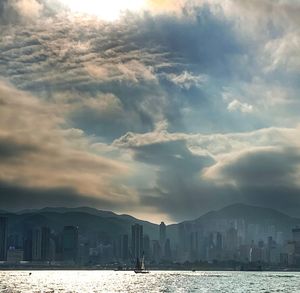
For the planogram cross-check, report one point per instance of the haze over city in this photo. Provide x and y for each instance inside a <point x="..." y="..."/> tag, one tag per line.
<point x="164" y="110"/>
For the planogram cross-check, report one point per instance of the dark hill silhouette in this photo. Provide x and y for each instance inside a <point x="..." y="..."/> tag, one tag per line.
<point x="253" y="214"/>
<point x="92" y="221"/>
<point x="250" y="214"/>
<point x="88" y="220"/>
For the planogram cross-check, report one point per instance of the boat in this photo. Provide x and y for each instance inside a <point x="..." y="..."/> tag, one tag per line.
<point x="140" y="266"/>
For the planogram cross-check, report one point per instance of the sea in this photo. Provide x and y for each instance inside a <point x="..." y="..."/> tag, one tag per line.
<point x="155" y="281"/>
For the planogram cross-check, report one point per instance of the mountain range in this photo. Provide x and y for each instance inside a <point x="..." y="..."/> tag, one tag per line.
<point x="108" y="224"/>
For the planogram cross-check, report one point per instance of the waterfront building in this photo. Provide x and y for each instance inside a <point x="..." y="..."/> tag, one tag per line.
<point x="3" y="238"/>
<point x="136" y="241"/>
<point x="70" y="243"/>
<point x="36" y="244"/>
<point x="162" y="233"/>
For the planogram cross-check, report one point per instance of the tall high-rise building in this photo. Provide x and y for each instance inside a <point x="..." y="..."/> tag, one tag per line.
<point x="122" y="247"/>
<point x="45" y="244"/>
<point x="231" y="239"/>
<point x="156" y="249"/>
<point x="167" y="250"/>
<point x="36" y="244"/>
<point x="27" y="245"/>
<point x="70" y="243"/>
<point x="136" y="240"/>
<point x="193" y="246"/>
<point x="3" y="238"/>
<point x="146" y="246"/>
<point x="162" y="233"/>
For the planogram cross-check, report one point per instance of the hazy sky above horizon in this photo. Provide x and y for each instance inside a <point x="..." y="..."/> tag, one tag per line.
<point x="160" y="109"/>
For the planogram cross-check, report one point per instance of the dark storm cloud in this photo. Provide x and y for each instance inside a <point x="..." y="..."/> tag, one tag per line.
<point x="172" y="156"/>
<point x="179" y="190"/>
<point x="15" y="198"/>
<point x="11" y="149"/>
<point x="37" y="153"/>
<point x="264" y="176"/>
<point x="261" y="167"/>
<point x="197" y="173"/>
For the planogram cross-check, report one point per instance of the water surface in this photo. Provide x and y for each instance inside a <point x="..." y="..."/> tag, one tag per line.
<point x="155" y="281"/>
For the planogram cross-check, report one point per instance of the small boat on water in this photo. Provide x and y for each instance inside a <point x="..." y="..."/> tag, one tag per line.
<point x="140" y="266"/>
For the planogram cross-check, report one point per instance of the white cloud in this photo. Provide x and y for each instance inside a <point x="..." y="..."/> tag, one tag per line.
<point x="132" y="71"/>
<point x="236" y="105"/>
<point x="283" y="53"/>
<point x="187" y="80"/>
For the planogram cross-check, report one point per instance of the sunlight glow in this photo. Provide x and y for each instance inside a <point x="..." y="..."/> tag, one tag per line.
<point x="108" y="10"/>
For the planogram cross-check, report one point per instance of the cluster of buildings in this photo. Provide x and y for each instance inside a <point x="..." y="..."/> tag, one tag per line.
<point x="237" y="241"/>
<point x="38" y="245"/>
<point x="43" y="246"/>
<point x="221" y="242"/>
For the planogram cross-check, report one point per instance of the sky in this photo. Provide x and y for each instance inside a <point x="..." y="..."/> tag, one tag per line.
<point x="160" y="109"/>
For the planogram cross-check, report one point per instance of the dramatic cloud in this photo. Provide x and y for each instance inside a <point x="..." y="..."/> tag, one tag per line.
<point x="166" y="108"/>
<point x="217" y="169"/>
<point x="38" y="152"/>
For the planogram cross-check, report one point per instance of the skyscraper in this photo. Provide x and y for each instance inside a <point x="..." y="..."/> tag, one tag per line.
<point x="167" y="250"/>
<point x="124" y="247"/>
<point x="45" y="244"/>
<point x="27" y="245"/>
<point x="162" y="233"/>
<point x="232" y="239"/>
<point x="70" y="243"/>
<point x="156" y="257"/>
<point x="136" y="240"/>
<point x="3" y="238"/>
<point x="146" y="246"/>
<point x="36" y="244"/>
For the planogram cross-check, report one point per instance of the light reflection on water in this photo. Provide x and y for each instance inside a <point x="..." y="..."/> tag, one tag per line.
<point x="156" y="281"/>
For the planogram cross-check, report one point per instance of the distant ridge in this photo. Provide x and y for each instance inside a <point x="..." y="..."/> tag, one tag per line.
<point x="88" y="210"/>
<point x="249" y="214"/>
<point x="240" y="210"/>
<point x="237" y="210"/>
<point x="62" y="210"/>
<point x="91" y="220"/>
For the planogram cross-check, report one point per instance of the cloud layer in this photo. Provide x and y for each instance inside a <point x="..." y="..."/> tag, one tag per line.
<point x="172" y="110"/>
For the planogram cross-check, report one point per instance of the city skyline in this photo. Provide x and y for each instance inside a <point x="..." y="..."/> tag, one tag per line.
<point x="160" y="110"/>
<point x="236" y="237"/>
